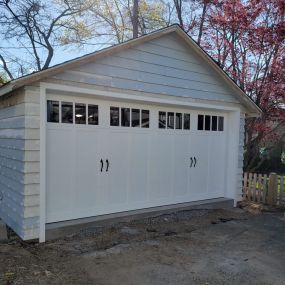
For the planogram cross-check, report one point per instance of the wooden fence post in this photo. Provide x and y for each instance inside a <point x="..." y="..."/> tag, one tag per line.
<point x="254" y="187"/>
<point x="249" y="187"/>
<point x="244" y="188"/>
<point x="264" y="189"/>
<point x="281" y="194"/>
<point x="259" y="188"/>
<point x="272" y="189"/>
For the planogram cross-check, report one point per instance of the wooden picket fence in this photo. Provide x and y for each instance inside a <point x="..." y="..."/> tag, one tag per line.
<point x="265" y="189"/>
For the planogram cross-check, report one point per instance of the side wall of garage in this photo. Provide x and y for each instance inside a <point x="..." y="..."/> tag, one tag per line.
<point x="19" y="162"/>
<point x="32" y="183"/>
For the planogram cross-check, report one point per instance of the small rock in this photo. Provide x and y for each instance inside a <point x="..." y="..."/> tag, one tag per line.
<point x="170" y="233"/>
<point x="152" y="242"/>
<point x="117" y="249"/>
<point x="36" y="273"/>
<point x="151" y="230"/>
<point x="129" y="231"/>
<point x="114" y="250"/>
<point x="48" y="273"/>
<point x="96" y="254"/>
<point x="224" y="220"/>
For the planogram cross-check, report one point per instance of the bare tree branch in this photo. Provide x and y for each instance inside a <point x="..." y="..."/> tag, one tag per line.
<point x="5" y="67"/>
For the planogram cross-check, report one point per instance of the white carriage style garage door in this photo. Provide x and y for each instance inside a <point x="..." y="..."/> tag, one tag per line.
<point x="107" y="157"/>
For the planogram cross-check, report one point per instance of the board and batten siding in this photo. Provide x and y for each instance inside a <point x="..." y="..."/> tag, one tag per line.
<point x="19" y="162"/>
<point x="163" y="66"/>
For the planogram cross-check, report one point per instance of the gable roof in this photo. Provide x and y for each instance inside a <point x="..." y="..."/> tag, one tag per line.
<point x="253" y="109"/>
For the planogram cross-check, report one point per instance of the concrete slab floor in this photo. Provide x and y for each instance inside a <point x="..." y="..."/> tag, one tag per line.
<point x="188" y="247"/>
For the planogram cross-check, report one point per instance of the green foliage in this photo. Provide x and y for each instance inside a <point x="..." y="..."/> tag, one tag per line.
<point x="77" y="31"/>
<point x="283" y="157"/>
<point x="3" y="78"/>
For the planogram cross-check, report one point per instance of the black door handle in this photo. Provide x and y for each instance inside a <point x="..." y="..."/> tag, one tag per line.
<point x="102" y="164"/>
<point x="191" y="161"/>
<point x="195" y="161"/>
<point x="107" y="161"/>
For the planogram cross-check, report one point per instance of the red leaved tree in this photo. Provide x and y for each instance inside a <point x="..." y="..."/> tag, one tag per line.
<point x="247" y="39"/>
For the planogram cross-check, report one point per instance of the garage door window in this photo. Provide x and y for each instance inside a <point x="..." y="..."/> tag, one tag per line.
<point x="178" y="121"/>
<point x="221" y="123"/>
<point x="114" y="116"/>
<point x="129" y="117"/>
<point x="170" y="120"/>
<point x="162" y="120"/>
<point x="210" y="123"/>
<point x="186" y="125"/>
<point x="93" y="115"/>
<point x="214" y="123"/>
<point x="67" y="112"/>
<point x="80" y="114"/>
<point x="200" y="122"/>
<point x="125" y="117"/>
<point x="52" y="111"/>
<point x="136" y="118"/>
<point x="145" y="118"/>
<point x="207" y="123"/>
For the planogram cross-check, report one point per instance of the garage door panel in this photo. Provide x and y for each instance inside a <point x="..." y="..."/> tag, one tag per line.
<point x="181" y="166"/>
<point x="117" y="152"/>
<point x="60" y="171"/>
<point x="217" y="157"/>
<point x="161" y="167"/>
<point x="138" y="168"/>
<point x="86" y="169"/>
<point x="199" y="171"/>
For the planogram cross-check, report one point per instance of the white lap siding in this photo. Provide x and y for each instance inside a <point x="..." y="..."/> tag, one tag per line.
<point x="164" y="66"/>
<point x="19" y="162"/>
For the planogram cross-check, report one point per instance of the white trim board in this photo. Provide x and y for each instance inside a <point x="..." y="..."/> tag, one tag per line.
<point x="42" y="220"/>
<point x="109" y="95"/>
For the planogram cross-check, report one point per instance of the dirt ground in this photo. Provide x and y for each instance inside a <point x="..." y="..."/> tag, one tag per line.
<point x="188" y="247"/>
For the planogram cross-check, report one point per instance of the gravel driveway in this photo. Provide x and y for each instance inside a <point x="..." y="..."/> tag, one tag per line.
<point x="189" y="247"/>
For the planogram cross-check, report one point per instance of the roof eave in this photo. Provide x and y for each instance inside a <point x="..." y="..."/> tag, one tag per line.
<point x="254" y="110"/>
<point x="7" y="88"/>
<point x="17" y="83"/>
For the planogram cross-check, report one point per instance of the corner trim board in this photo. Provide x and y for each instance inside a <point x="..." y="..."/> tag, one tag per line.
<point x="42" y="220"/>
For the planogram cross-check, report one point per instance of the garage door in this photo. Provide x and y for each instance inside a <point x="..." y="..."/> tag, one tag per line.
<point x="106" y="157"/>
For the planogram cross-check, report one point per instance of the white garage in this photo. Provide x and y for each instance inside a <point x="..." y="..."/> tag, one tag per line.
<point x="148" y="123"/>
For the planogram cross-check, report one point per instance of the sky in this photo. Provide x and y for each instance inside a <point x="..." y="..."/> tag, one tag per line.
<point x="61" y="54"/>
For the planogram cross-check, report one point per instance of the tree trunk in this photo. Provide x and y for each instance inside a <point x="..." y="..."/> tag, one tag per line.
<point x="178" y="7"/>
<point x="202" y="22"/>
<point x="135" y="19"/>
